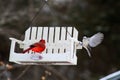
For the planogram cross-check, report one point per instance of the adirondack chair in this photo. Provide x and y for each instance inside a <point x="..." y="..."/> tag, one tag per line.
<point x="61" y="45"/>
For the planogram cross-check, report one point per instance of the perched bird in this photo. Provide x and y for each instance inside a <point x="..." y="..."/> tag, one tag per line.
<point x="93" y="41"/>
<point x="37" y="47"/>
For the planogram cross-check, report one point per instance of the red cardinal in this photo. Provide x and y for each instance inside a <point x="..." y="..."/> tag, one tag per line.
<point x="37" y="47"/>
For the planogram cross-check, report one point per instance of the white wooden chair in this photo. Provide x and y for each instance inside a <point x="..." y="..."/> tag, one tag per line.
<point x="61" y="45"/>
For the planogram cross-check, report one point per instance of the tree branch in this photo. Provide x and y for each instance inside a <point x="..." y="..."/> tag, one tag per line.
<point x="55" y="72"/>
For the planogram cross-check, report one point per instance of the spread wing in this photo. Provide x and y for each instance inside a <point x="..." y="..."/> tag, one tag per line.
<point x="96" y="39"/>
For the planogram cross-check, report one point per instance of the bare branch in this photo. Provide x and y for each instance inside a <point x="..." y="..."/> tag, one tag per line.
<point x="55" y="72"/>
<point x="23" y="72"/>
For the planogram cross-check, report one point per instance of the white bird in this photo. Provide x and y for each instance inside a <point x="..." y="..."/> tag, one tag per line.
<point x="93" y="41"/>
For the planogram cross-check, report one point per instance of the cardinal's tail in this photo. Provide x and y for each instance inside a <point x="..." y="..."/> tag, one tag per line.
<point x="26" y="50"/>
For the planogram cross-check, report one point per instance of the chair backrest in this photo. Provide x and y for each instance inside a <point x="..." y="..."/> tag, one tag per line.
<point x="51" y="35"/>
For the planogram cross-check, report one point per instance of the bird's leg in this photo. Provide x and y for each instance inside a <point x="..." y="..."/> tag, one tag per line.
<point x="32" y="52"/>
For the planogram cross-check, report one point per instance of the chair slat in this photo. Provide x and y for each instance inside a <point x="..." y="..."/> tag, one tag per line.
<point x="27" y="34"/>
<point x="75" y="36"/>
<point x="63" y="35"/>
<point x="69" y="35"/>
<point x="57" y="35"/>
<point x="51" y="35"/>
<point x="33" y="33"/>
<point x="69" y="32"/>
<point x="39" y="33"/>
<point x="45" y="36"/>
<point x="75" y="33"/>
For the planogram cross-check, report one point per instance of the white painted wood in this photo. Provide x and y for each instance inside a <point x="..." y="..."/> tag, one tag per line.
<point x="12" y="49"/>
<point x="57" y="35"/>
<point x="45" y="36"/>
<point x="39" y="33"/>
<point x="63" y="58"/>
<point x="27" y="40"/>
<point x="51" y="34"/>
<point x="79" y="45"/>
<point x="21" y="43"/>
<point x="27" y="34"/>
<point x="16" y="40"/>
<point x="69" y="49"/>
<point x="60" y="59"/>
<point x="45" y="33"/>
<point x="69" y="32"/>
<point x="33" y="33"/>
<point x="63" y="35"/>
<point x="75" y="34"/>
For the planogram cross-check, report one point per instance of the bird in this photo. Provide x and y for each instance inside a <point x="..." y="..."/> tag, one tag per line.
<point x="92" y="41"/>
<point x="37" y="47"/>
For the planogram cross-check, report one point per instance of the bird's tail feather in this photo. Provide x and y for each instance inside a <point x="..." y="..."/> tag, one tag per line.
<point x="26" y="50"/>
<point x="88" y="51"/>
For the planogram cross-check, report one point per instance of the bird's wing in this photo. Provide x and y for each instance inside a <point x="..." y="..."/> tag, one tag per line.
<point x="35" y="45"/>
<point x="96" y="39"/>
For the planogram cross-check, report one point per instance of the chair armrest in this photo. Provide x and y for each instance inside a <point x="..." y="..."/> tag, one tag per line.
<point x="16" y="40"/>
<point x="21" y="43"/>
<point x="75" y="40"/>
<point x="78" y="43"/>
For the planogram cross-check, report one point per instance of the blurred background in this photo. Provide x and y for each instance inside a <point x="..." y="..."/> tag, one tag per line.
<point x="88" y="16"/>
